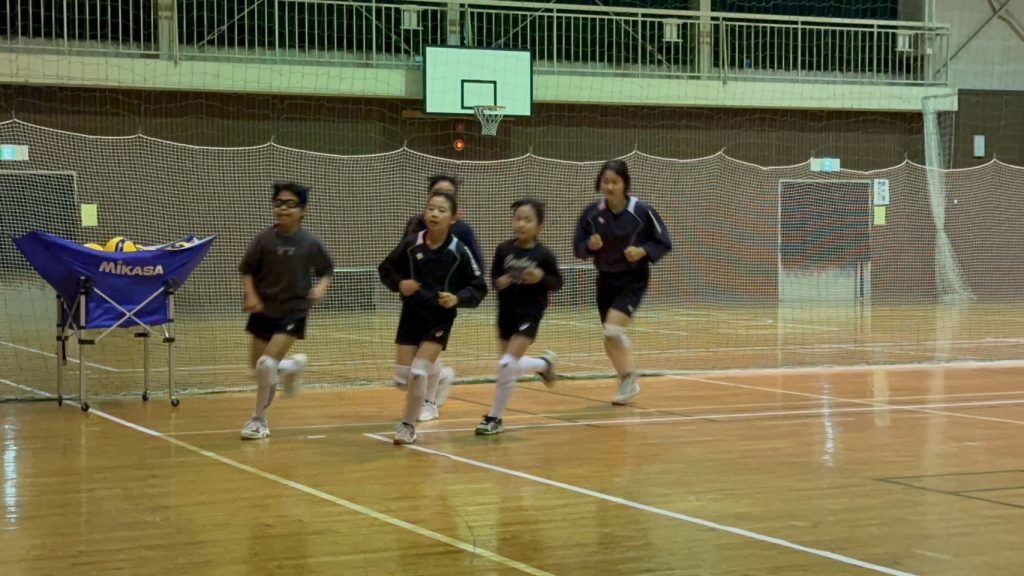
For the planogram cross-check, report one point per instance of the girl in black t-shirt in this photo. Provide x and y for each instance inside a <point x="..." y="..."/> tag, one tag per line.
<point x="524" y="273"/>
<point x="279" y="291"/>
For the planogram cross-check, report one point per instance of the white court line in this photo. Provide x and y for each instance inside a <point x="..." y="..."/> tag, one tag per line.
<point x="773" y="324"/>
<point x="679" y="313"/>
<point x="597" y="327"/>
<point x="808" y="326"/>
<point x="471" y="548"/>
<point x="895" y="350"/>
<point x="545" y="416"/>
<point x="932" y="554"/>
<point x="911" y="367"/>
<point x="928" y="409"/>
<point x="957" y="395"/>
<point x="869" y="408"/>
<point x="27" y="389"/>
<point x="794" y="348"/>
<point x="307" y="427"/>
<point x="563" y="415"/>
<point x="660" y="511"/>
<point x="243" y="367"/>
<point x="988" y="342"/>
<point x="52" y="355"/>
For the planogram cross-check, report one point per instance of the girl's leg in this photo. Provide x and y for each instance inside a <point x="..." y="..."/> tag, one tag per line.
<point x="432" y="399"/>
<point x="616" y="343"/>
<point x="403" y="364"/>
<point x="434" y="380"/>
<point x="617" y="346"/>
<point x="265" y="371"/>
<point x="425" y="357"/>
<point x="254" y="428"/>
<point x="508" y="372"/>
<point x="256" y="348"/>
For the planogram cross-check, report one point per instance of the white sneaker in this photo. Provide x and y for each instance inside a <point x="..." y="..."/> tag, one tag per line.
<point x="255" y="429"/>
<point x="627" y="390"/>
<point x="444" y="384"/>
<point x="428" y="412"/>
<point x="404" y="434"/>
<point x="548" y="374"/>
<point x="292" y="381"/>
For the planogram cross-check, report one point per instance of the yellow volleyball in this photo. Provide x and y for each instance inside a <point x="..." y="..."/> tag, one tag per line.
<point x="120" y="244"/>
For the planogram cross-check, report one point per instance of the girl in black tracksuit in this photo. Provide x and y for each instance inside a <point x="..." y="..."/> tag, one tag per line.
<point x="624" y="236"/>
<point x="435" y="274"/>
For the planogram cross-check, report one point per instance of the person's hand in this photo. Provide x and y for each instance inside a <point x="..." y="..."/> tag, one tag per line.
<point x="317" y="293"/>
<point x="502" y="282"/>
<point x="408" y="287"/>
<point x="594" y="242"/>
<point x="533" y="275"/>
<point x="447" y="299"/>
<point x="635" y="253"/>
<point x="252" y="304"/>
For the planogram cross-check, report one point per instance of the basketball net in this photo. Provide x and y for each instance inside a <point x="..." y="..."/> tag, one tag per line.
<point x="490" y="117"/>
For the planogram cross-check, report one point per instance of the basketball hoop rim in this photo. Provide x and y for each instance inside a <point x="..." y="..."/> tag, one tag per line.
<point x="490" y="117"/>
<point x="491" y="109"/>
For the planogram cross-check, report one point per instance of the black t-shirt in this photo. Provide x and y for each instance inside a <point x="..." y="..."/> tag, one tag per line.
<point x="282" y="268"/>
<point x="514" y="261"/>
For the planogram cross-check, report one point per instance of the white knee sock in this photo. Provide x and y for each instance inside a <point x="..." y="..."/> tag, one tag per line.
<point x="508" y="372"/>
<point x="266" y="384"/>
<point x="417" y="389"/>
<point x="433" y="380"/>
<point x="532" y="364"/>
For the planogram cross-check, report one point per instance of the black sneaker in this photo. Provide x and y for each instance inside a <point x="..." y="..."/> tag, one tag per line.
<point x="489" y="426"/>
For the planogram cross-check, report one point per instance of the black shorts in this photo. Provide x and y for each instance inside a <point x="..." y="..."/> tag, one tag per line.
<point x="264" y="327"/>
<point x="415" y="328"/>
<point x="621" y="291"/>
<point x="519" y="322"/>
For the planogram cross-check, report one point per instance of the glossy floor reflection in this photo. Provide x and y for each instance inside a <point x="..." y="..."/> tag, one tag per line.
<point x="912" y="471"/>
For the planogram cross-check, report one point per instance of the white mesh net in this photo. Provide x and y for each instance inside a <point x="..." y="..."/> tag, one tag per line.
<point x="774" y="265"/>
<point x="771" y="266"/>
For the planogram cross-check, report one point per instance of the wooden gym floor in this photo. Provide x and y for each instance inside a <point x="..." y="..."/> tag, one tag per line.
<point x="846" y="471"/>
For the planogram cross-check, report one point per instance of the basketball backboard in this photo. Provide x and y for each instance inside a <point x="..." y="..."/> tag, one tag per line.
<point x="457" y="79"/>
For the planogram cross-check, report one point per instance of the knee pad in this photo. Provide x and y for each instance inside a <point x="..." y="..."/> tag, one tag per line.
<point x="435" y="369"/>
<point x="401" y="376"/>
<point x="616" y="333"/>
<point x="266" y="370"/>
<point x="418" y="376"/>
<point x="508" y="370"/>
<point x="420" y="368"/>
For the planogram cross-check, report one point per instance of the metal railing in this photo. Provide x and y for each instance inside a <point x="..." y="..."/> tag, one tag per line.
<point x="562" y="37"/>
<point x="125" y="26"/>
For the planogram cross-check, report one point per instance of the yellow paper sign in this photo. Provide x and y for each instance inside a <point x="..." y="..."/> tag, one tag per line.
<point x="879" y="215"/>
<point x="90" y="216"/>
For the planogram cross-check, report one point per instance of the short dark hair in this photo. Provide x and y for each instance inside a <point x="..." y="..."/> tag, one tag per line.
<point x="300" y="191"/>
<point x="437" y="178"/>
<point x="620" y="169"/>
<point x="447" y="196"/>
<point x="537" y="205"/>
